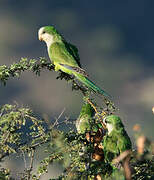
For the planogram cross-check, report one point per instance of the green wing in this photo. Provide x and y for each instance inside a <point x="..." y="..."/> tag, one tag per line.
<point x="59" y="54"/>
<point x="85" y="118"/>
<point x="110" y="147"/>
<point x="115" y="143"/>
<point x="74" y="51"/>
<point x="124" y="142"/>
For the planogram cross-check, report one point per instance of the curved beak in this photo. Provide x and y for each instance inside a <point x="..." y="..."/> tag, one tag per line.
<point x="104" y="124"/>
<point x="40" y="38"/>
<point x="104" y="120"/>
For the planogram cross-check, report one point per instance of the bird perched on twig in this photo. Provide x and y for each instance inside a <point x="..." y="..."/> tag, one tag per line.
<point x="116" y="140"/>
<point x="65" y="57"/>
<point x="83" y="123"/>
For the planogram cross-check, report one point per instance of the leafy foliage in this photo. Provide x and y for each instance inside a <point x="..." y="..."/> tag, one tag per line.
<point x="80" y="154"/>
<point x="24" y="64"/>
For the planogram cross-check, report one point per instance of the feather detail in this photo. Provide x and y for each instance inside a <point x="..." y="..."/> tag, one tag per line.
<point x="91" y="85"/>
<point x="76" y="69"/>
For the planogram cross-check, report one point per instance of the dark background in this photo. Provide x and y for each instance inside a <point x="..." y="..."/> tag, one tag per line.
<point x="116" y="45"/>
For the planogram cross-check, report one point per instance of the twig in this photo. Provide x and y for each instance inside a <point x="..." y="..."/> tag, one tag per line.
<point x="56" y="121"/>
<point x="24" y="158"/>
<point x="97" y="113"/>
<point x="31" y="165"/>
<point x="6" y="135"/>
<point x="3" y="155"/>
<point x="126" y="167"/>
<point x="124" y="157"/>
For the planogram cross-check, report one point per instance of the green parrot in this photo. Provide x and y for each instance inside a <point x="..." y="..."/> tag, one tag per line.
<point x="116" y="139"/>
<point x="65" y="57"/>
<point x="84" y="119"/>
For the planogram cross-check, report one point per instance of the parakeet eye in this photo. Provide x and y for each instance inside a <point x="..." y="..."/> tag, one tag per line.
<point x="43" y="32"/>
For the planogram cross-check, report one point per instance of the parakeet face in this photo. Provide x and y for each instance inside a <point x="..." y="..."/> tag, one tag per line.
<point x="112" y="122"/>
<point x="109" y="127"/>
<point x="116" y="140"/>
<point x="47" y="34"/>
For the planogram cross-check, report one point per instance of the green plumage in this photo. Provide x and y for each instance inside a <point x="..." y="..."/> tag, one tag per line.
<point x="91" y="85"/>
<point x="117" y="140"/>
<point x="83" y="123"/>
<point x="86" y="122"/>
<point x="65" y="57"/>
<point x="74" y="51"/>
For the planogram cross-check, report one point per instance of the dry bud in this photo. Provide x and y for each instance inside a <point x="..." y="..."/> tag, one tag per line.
<point x="98" y="177"/>
<point x="153" y="109"/>
<point x="141" y="144"/>
<point x="136" y="127"/>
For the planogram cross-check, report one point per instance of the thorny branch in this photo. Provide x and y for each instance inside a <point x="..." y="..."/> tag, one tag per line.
<point x="36" y="66"/>
<point x="57" y="119"/>
<point x="29" y="170"/>
<point x="124" y="157"/>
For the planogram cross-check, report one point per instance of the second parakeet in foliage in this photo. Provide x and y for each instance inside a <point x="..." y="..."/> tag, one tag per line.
<point x="116" y="140"/>
<point x="65" y="57"/>
<point x="83" y="123"/>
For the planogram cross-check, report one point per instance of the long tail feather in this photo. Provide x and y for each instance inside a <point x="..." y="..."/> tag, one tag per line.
<point x="91" y="85"/>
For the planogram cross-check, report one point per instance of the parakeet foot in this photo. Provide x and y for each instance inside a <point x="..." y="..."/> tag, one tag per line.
<point x="63" y="75"/>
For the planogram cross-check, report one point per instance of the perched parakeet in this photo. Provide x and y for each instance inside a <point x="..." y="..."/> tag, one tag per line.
<point x="65" y="57"/>
<point x="83" y="122"/>
<point x="116" y="140"/>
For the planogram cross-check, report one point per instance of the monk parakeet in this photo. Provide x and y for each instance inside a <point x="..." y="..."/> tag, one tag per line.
<point x="116" y="140"/>
<point x="85" y="121"/>
<point x="65" y="57"/>
<point x="85" y="118"/>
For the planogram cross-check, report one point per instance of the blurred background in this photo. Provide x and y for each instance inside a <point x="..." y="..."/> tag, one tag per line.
<point x="116" y="46"/>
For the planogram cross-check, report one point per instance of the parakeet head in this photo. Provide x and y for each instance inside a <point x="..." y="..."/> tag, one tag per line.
<point x="48" y="34"/>
<point x="112" y="122"/>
